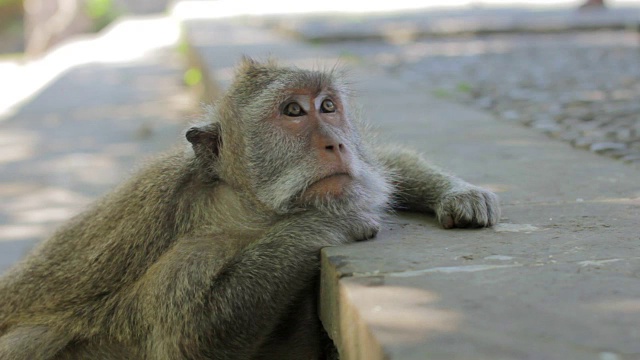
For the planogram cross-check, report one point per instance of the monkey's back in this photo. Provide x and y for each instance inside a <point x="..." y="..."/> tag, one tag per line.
<point x="112" y="243"/>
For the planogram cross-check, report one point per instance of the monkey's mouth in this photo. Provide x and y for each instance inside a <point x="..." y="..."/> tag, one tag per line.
<point x="333" y="185"/>
<point x="338" y="174"/>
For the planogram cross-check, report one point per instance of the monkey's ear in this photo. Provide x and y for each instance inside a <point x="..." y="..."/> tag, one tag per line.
<point x="205" y="138"/>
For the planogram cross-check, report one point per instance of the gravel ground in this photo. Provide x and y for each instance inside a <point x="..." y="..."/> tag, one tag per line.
<point x="583" y="88"/>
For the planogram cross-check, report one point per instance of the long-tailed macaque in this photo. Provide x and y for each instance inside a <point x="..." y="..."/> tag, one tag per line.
<point x="212" y="253"/>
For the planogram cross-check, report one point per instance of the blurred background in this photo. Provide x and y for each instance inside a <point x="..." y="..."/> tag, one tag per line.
<point x="90" y="88"/>
<point x="33" y="26"/>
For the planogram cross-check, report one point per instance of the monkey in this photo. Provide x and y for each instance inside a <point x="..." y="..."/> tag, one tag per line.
<point x="211" y="251"/>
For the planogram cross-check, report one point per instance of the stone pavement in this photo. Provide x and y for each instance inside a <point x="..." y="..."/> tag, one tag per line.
<point x="581" y="87"/>
<point x="407" y="26"/>
<point x="87" y="129"/>
<point x="559" y="278"/>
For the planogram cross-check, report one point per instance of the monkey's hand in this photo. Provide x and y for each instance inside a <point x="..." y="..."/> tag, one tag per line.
<point x="366" y="227"/>
<point x="467" y="205"/>
<point x="345" y="227"/>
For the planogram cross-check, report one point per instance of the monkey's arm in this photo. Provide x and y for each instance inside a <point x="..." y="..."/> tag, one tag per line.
<point x="217" y="302"/>
<point x="32" y="342"/>
<point x="422" y="187"/>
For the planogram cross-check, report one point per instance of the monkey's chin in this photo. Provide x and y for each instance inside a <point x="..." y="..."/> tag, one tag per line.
<point x="334" y="186"/>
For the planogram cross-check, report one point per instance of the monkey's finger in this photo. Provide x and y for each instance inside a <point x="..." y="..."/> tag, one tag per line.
<point x="493" y="207"/>
<point x="447" y="221"/>
<point x="464" y="210"/>
<point x="480" y="209"/>
<point x="368" y="235"/>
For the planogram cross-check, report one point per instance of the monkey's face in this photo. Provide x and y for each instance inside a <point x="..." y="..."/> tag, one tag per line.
<point x="311" y="155"/>
<point x="318" y="122"/>
<point x="286" y="138"/>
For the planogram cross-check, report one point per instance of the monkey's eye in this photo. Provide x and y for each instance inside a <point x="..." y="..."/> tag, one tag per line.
<point x="328" y="106"/>
<point x="293" y="109"/>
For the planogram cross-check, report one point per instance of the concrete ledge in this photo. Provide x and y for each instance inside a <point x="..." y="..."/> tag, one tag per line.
<point x="557" y="279"/>
<point x="553" y="281"/>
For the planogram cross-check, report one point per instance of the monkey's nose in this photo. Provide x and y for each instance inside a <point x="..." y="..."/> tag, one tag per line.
<point x="333" y="148"/>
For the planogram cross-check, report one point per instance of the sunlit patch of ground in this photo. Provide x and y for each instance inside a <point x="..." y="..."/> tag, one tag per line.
<point x="80" y="120"/>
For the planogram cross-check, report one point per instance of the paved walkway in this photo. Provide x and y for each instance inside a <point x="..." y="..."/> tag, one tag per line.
<point x="86" y="130"/>
<point x="557" y="279"/>
<point x="407" y="26"/>
<point x="581" y="87"/>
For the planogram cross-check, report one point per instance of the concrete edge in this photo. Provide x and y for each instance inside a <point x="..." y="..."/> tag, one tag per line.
<point x="337" y="314"/>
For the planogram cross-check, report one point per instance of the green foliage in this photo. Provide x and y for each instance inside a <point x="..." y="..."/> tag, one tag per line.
<point x="10" y="10"/>
<point x="183" y="47"/>
<point x="101" y="12"/>
<point x="441" y="93"/>
<point x="460" y="88"/>
<point x="98" y="8"/>
<point x="193" y="76"/>
<point x="11" y="25"/>
<point x="314" y="42"/>
<point x="9" y="3"/>
<point x="349" y="56"/>
<point x="464" y="87"/>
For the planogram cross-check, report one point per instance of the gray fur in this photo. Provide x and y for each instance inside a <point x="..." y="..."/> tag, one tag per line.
<point x="209" y="253"/>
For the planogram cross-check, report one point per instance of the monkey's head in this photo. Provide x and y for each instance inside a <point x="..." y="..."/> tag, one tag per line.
<point x="288" y="138"/>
